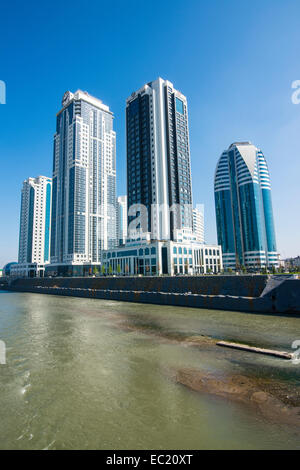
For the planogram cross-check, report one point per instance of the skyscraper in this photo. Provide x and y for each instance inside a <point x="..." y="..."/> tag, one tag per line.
<point x="244" y="211"/>
<point x="158" y="158"/>
<point x="122" y="219"/>
<point x="35" y="219"/>
<point x="84" y="181"/>
<point x="159" y="182"/>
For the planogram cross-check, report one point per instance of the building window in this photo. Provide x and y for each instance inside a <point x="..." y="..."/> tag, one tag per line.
<point x="179" y="106"/>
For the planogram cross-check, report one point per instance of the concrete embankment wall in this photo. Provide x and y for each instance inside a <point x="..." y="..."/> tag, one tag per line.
<point x="241" y="293"/>
<point x="246" y="286"/>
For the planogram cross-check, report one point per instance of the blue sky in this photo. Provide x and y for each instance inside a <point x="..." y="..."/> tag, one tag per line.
<point x="234" y="60"/>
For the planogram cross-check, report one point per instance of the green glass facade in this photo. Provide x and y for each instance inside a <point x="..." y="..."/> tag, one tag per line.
<point x="244" y="212"/>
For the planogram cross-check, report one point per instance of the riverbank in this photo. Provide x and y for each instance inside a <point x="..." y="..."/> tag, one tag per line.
<point x="75" y="364"/>
<point x="273" y="400"/>
<point x="261" y="294"/>
<point x="276" y="400"/>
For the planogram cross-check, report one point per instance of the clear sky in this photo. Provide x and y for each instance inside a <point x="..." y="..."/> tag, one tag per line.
<point x="235" y="60"/>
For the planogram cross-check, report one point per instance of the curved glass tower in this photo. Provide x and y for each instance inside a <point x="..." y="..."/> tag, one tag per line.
<point x="244" y="211"/>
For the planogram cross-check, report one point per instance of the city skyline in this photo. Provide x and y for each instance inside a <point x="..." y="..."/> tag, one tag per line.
<point x="75" y="116"/>
<point x="154" y="229"/>
<point x="149" y="251"/>
<point x="248" y="106"/>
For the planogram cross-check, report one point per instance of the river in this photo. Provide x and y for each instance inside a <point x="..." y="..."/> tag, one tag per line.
<point x="95" y="374"/>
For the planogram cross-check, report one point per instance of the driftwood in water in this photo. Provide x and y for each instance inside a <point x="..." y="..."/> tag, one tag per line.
<point x="245" y="347"/>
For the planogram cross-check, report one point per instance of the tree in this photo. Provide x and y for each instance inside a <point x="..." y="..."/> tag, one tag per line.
<point x="103" y="270"/>
<point x="119" y="269"/>
<point x="110" y="269"/>
<point x="95" y="270"/>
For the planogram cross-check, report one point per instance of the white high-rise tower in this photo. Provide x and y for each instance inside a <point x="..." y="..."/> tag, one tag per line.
<point x="84" y="182"/>
<point x="35" y="221"/>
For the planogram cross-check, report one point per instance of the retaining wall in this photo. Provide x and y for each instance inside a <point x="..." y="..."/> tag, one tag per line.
<point x="246" y="286"/>
<point x="241" y="293"/>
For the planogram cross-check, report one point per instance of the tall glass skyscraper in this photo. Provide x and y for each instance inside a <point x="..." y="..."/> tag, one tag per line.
<point x="158" y="158"/>
<point x="84" y="181"/>
<point x="244" y="211"/>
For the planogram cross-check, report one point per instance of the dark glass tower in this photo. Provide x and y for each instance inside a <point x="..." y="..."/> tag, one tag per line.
<point x="158" y="158"/>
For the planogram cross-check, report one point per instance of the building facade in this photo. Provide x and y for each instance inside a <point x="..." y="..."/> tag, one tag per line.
<point x="244" y="212"/>
<point x="154" y="258"/>
<point x="84" y="182"/>
<point x="35" y="221"/>
<point x="7" y="269"/>
<point x="158" y="159"/>
<point x="28" y="270"/>
<point x="292" y="264"/>
<point x="198" y="224"/>
<point x="122" y="219"/>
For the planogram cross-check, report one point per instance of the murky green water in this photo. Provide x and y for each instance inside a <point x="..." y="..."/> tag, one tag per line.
<point x="77" y="378"/>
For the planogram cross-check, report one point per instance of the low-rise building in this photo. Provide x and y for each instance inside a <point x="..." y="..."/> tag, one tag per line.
<point x="293" y="263"/>
<point x="27" y="270"/>
<point x="142" y="256"/>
